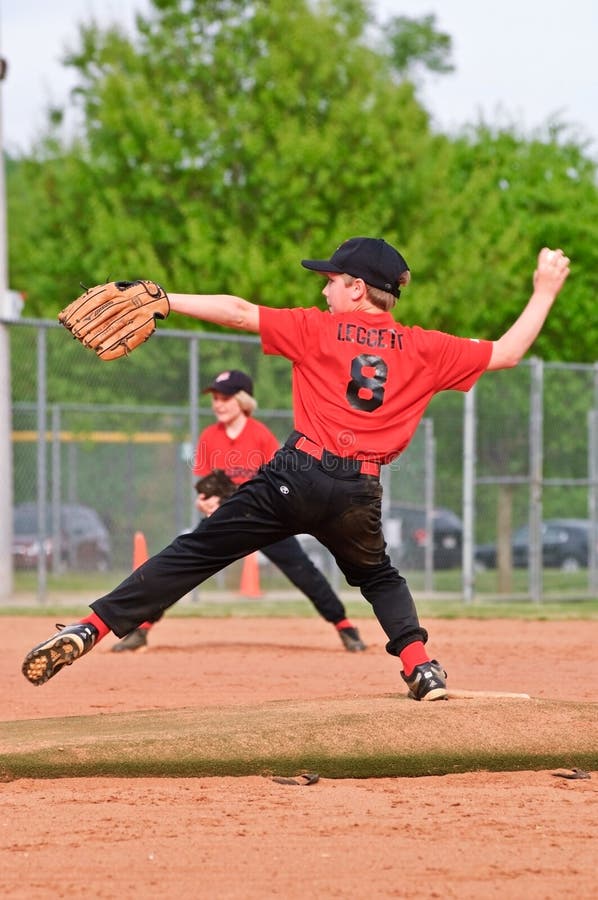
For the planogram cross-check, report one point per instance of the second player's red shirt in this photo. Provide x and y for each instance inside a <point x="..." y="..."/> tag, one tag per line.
<point x="362" y="381"/>
<point x="240" y="457"/>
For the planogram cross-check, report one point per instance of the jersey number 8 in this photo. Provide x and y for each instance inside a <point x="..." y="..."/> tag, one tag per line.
<point x="373" y="383"/>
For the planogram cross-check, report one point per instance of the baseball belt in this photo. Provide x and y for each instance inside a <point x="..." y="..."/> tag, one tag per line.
<point x="361" y="466"/>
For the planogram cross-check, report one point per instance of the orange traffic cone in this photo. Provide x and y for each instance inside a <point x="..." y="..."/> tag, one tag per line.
<point x="140" y="554"/>
<point x="250" y="577"/>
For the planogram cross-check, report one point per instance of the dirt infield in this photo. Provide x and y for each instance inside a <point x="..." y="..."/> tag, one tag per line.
<point x="524" y="834"/>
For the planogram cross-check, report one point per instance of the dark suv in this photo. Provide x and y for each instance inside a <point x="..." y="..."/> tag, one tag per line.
<point x="84" y="539"/>
<point x="565" y="545"/>
<point x="407" y="537"/>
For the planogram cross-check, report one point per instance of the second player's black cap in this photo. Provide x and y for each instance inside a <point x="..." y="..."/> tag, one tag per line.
<point x="230" y="382"/>
<point x="372" y="259"/>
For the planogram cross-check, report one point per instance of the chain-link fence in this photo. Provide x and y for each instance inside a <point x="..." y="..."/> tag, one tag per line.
<point x="496" y="496"/>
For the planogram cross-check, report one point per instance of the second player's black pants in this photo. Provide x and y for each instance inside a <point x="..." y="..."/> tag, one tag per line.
<point x="289" y="556"/>
<point x="293" y="494"/>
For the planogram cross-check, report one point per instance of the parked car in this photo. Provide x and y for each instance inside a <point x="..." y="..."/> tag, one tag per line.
<point x="84" y="538"/>
<point x="565" y="545"/>
<point x="407" y="536"/>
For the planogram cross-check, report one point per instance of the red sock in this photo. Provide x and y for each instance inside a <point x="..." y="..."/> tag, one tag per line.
<point x="344" y="623"/>
<point x="98" y="623"/>
<point x="412" y="655"/>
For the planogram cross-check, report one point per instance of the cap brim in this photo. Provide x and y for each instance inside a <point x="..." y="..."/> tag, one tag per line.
<point x="320" y="265"/>
<point x="219" y="390"/>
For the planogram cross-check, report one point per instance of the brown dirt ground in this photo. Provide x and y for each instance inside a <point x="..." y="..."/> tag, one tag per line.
<point x="479" y="835"/>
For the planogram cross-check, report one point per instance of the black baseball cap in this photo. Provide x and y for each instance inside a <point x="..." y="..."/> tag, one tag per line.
<point x="231" y="382"/>
<point x="372" y="259"/>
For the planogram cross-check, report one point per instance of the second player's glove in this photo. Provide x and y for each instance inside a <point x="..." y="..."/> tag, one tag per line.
<point x="216" y="484"/>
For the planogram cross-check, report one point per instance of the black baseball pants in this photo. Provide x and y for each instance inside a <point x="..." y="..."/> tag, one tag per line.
<point x="293" y="494"/>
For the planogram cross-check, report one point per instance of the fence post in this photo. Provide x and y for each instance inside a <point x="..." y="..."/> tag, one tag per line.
<point x="42" y="468"/>
<point x="6" y="476"/>
<point x="72" y="455"/>
<point x="593" y="499"/>
<point x="430" y="490"/>
<point x="536" y="466"/>
<point x="194" y="360"/>
<point x="56" y="492"/>
<point x="469" y="480"/>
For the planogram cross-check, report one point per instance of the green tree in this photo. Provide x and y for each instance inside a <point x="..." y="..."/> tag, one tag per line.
<point x="417" y="44"/>
<point x="225" y="142"/>
<point x="498" y="198"/>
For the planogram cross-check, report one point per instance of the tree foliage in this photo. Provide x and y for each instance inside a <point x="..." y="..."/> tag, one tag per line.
<point x="226" y="140"/>
<point x="504" y="198"/>
<point x="417" y="43"/>
<point x="229" y="141"/>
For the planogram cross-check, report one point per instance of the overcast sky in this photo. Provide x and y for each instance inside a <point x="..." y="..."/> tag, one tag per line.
<point x="517" y="61"/>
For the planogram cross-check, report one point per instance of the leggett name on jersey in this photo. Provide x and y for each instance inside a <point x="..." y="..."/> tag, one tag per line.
<point x="384" y="338"/>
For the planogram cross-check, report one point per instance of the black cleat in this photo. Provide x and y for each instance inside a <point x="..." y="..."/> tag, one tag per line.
<point x="351" y="639"/>
<point x="427" y="682"/>
<point x="134" y="640"/>
<point x="62" y="649"/>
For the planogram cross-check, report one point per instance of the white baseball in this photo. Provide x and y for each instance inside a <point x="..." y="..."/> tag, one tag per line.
<point x="549" y="255"/>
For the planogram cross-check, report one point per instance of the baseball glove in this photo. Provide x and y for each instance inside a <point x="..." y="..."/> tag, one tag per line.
<point x="112" y="319"/>
<point x="216" y="484"/>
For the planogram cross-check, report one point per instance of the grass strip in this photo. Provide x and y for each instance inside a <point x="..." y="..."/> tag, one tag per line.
<point x="38" y="766"/>
<point x="563" y="610"/>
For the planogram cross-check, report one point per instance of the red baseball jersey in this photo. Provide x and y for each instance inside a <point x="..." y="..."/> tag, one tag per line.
<point x="362" y="381"/>
<point x="240" y="457"/>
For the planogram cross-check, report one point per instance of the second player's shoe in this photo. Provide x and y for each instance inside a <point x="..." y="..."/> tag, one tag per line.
<point x="351" y="639"/>
<point x="134" y="640"/>
<point x="62" y="649"/>
<point x="427" y="681"/>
